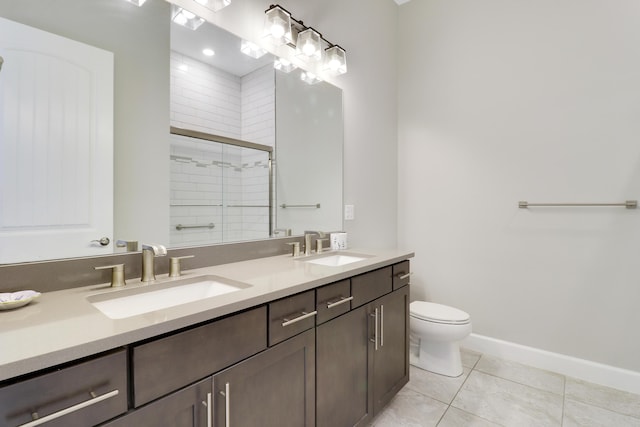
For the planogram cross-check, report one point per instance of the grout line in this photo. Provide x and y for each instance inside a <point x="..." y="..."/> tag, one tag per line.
<point x="564" y="398"/>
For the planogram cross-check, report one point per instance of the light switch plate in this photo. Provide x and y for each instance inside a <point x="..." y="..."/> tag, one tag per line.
<point x="349" y="212"/>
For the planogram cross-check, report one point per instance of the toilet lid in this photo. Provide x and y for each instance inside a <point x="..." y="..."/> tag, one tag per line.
<point x="437" y="312"/>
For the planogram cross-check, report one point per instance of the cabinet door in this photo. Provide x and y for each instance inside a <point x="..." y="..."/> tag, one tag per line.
<point x="391" y="358"/>
<point x="273" y="388"/>
<point x="342" y="369"/>
<point x="185" y="408"/>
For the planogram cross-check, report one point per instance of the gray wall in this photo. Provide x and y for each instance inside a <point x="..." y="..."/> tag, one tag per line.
<point x="502" y="101"/>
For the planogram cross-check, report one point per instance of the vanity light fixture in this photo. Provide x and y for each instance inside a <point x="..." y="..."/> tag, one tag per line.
<point x="214" y="5"/>
<point x="185" y="18"/>
<point x="277" y="26"/>
<point x="251" y="49"/>
<point x="137" y="2"/>
<point x="308" y="43"/>
<point x="335" y="60"/>
<point x="284" y="65"/>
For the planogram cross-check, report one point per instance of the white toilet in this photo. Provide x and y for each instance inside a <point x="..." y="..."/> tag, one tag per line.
<point x="437" y="330"/>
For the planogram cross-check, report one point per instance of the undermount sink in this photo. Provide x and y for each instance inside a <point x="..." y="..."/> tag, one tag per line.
<point x="337" y="260"/>
<point x="153" y="297"/>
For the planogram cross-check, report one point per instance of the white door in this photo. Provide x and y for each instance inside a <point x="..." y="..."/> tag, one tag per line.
<point x="56" y="146"/>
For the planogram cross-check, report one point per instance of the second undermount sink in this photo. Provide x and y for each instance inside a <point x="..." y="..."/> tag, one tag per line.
<point x="132" y="302"/>
<point x="337" y="260"/>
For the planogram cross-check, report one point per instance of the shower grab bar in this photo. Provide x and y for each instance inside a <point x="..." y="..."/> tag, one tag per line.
<point x="248" y="206"/>
<point x="629" y="204"/>
<point x="285" y="206"/>
<point x="183" y="227"/>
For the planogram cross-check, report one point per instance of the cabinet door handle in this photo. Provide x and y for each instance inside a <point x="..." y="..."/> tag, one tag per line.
<point x="304" y="315"/>
<point x="209" y="410"/>
<point x="342" y="300"/>
<point x="381" y="325"/>
<point x="404" y="276"/>
<point x="375" y="328"/>
<point x="227" y="405"/>
<point x="71" y="409"/>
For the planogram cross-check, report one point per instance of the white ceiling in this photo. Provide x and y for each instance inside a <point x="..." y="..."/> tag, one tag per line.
<point x="402" y="1"/>
<point x="225" y="45"/>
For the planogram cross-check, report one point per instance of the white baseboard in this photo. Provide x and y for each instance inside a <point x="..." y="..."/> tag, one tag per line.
<point x="610" y="376"/>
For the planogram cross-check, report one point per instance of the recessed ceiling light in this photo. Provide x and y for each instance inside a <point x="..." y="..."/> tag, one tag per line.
<point x="208" y="52"/>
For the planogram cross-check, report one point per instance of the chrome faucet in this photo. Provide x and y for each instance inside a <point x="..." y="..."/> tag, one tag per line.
<point x="307" y="240"/>
<point x="149" y="253"/>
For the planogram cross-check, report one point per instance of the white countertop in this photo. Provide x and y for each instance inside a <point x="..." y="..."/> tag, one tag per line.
<point x="62" y="326"/>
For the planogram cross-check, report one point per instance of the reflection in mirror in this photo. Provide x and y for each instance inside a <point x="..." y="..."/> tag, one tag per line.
<point x="139" y="38"/>
<point x="231" y="94"/>
<point x="56" y="145"/>
<point x="221" y="189"/>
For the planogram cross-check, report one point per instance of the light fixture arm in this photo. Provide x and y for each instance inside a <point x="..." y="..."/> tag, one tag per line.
<point x="301" y="27"/>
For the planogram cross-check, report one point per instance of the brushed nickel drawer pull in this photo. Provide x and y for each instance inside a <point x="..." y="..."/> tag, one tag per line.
<point x="404" y="276"/>
<point x="375" y="328"/>
<point x="342" y="300"/>
<point x="71" y="409"/>
<point x="381" y="325"/>
<point x="305" y="315"/>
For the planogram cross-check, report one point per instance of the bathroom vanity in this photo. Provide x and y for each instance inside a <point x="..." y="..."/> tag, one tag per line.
<point x="302" y="344"/>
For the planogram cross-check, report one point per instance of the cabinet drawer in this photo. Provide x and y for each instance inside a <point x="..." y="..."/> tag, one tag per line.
<point x="96" y="389"/>
<point x="369" y="286"/>
<point x="401" y="272"/>
<point x="333" y="300"/>
<point x="291" y="316"/>
<point x="186" y="407"/>
<point x="170" y="363"/>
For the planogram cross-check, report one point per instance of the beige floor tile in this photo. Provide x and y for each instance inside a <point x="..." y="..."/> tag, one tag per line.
<point x="410" y="409"/>
<point x="523" y="374"/>
<point x="508" y="403"/>
<point x="469" y="358"/>
<point x="604" y="397"/>
<point x="455" y="417"/>
<point x="578" y="414"/>
<point x="439" y="387"/>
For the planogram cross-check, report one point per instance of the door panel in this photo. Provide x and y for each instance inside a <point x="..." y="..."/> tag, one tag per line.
<point x="56" y="146"/>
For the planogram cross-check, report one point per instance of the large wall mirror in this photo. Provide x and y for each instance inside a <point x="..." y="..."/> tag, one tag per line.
<point x="299" y="127"/>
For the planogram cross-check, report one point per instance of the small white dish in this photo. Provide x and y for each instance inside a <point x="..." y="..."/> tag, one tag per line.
<point x="11" y="300"/>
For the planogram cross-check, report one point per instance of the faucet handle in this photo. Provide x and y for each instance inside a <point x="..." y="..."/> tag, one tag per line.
<point x="131" y="245"/>
<point x="296" y="248"/>
<point x="117" y="274"/>
<point x="319" y="247"/>
<point x="174" y="265"/>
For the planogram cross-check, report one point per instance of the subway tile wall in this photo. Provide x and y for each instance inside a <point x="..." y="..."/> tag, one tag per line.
<point x="212" y="183"/>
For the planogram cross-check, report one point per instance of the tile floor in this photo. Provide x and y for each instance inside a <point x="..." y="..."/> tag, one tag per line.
<point x="496" y="392"/>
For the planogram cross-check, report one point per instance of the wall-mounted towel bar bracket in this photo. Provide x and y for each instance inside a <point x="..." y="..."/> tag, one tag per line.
<point x="629" y="204"/>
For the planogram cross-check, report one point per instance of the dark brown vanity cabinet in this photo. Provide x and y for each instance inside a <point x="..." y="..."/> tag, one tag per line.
<point x="184" y="408"/>
<point x="83" y="394"/>
<point x="362" y="357"/>
<point x="391" y="356"/>
<point x="331" y="356"/>
<point x="273" y="388"/>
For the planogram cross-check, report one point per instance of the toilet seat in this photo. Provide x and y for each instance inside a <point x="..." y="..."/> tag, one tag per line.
<point x="438" y="313"/>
